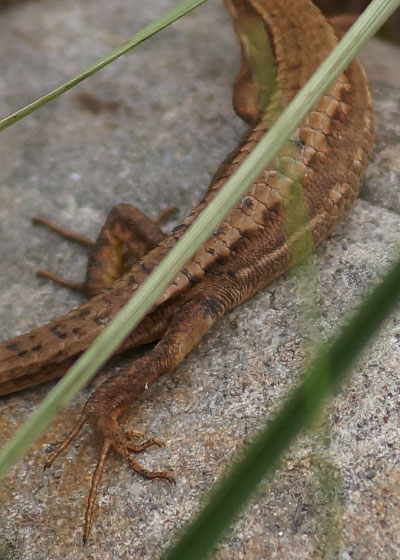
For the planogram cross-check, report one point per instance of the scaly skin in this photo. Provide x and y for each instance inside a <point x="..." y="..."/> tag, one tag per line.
<point x="319" y="171"/>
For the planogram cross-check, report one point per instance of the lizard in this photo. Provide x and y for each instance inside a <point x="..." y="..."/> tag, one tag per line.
<point x="325" y="161"/>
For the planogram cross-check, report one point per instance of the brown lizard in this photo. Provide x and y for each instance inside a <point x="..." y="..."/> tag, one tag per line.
<point x="325" y="162"/>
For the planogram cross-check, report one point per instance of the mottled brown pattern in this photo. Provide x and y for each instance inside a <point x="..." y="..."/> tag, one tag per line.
<point x="317" y="174"/>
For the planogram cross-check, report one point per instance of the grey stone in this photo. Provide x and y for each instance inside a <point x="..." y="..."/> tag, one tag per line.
<point x="169" y="124"/>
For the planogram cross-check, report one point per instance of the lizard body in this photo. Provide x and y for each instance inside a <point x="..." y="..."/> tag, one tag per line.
<point x="325" y="160"/>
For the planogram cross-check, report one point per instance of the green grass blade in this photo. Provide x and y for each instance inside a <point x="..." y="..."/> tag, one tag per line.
<point x="148" y="31"/>
<point x="200" y="230"/>
<point x="332" y="363"/>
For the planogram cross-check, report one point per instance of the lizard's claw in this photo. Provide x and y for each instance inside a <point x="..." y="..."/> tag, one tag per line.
<point x="73" y="433"/>
<point x="134" y="434"/>
<point x="111" y="437"/>
<point x="121" y="444"/>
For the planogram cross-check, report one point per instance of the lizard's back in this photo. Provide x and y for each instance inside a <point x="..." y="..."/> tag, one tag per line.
<point x="324" y="161"/>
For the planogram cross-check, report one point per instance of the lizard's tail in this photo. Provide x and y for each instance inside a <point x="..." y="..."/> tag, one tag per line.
<point x="47" y="352"/>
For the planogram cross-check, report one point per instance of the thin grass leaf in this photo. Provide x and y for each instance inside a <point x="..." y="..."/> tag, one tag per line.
<point x="148" y="31"/>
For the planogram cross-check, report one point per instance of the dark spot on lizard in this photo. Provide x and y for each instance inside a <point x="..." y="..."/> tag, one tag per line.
<point x="36" y="347"/>
<point x="131" y="280"/>
<point x="248" y="202"/>
<point x="211" y="251"/>
<point x="209" y="266"/>
<point x="83" y="314"/>
<point x="195" y="278"/>
<point x="231" y="273"/>
<point x="178" y="229"/>
<point x="236" y="244"/>
<point x="246" y="234"/>
<point x="101" y="319"/>
<point x="76" y="330"/>
<point x="22" y="353"/>
<point x="220" y="259"/>
<point x="145" y="268"/>
<point x="12" y="347"/>
<point x="337" y="113"/>
<point x="212" y="304"/>
<point x="276" y="209"/>
<point x="314" y="162"/>
<point x="266" y="216"/>
<point x="56" y="330"/>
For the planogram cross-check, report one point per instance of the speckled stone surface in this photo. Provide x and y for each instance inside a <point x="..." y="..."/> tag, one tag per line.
<point x="163" y="125"/>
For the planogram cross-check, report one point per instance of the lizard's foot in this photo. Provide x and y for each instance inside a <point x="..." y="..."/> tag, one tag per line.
<point x="112" y="437"/>
<point x="75" y="286"/>
<point x="126" y="236"/>
<point x="65" y="233"/>
<point x="71" y="236"/>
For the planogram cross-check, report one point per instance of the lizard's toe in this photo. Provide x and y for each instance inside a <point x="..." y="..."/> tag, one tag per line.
<point x="117" y="439"/>
<point x="124" y="447"/>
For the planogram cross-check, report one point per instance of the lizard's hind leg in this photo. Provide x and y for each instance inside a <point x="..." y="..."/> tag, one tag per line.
<point x="126" y="236"/>
<point x="71" y="236"/>
<point x="192" y="319"/>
